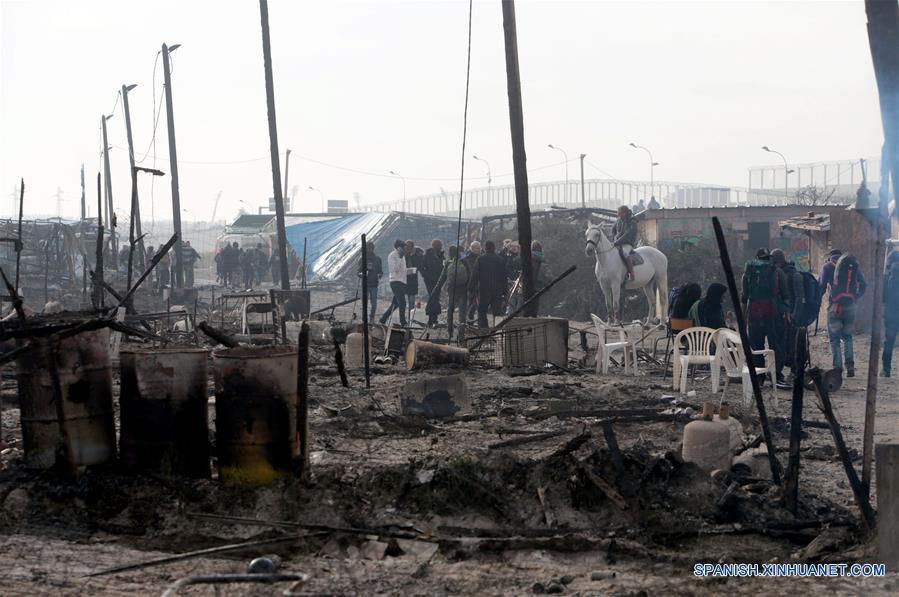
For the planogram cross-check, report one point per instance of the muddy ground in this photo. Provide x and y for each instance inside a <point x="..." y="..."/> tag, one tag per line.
<point x="454" y="506"/>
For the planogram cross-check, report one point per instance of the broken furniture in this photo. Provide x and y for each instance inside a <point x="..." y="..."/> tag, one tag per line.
<point x="605" y="348"/>
<point x="692" y="347"/>
<point x="231" y="307"/>
<point x="729" y="357"/>
<point x="534" y="341"/>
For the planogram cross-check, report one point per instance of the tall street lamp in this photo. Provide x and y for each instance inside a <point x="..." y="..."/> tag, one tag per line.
<point x="489" y="177"/>
<point x="551" y="146"/>
<point x="322" y="195"/>
<point x="652" y="165"/>
<point x="583" y="193"/>
<point x="786" y="169"/>
<point x="404" y="187"/>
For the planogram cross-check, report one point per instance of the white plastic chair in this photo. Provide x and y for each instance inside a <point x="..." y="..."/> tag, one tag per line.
<point x="604" y="348"/>
<point x="693" y="347"/>
<point x="729" y="357"/>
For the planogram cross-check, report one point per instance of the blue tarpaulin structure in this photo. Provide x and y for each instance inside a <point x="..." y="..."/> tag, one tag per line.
<point x="333" y="242"/>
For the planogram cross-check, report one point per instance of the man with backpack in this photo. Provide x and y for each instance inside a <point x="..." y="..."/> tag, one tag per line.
<point x="843" y="274"/>
<point x="890" y="310"/>
<point x="793" y="307"/>
<point x="765" y="292"/>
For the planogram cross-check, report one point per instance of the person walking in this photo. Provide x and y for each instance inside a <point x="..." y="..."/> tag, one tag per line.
<point x="456" y="278"/>
<point x="375" y="272"/>
<point x="247" y="261"/>
<point x="490" y="276"/>
<point x="764" y="291"/>
<point x="189" y="257"/>
<point x="396" y="272"/>
<point x="890" y="310"/>
<point x="792" y="308"/>
<point x="431" y="268"/>
<point x="843" y="275"/>
<point x="471" y="259"/>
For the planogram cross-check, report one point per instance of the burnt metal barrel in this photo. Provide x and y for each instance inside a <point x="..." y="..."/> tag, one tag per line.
<point x="255" y="413"/>
<point x="163" y="398"/>
<point x="85" y="385"/>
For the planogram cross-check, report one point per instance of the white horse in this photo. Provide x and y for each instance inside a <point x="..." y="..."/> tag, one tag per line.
<point x="651" y="275"/>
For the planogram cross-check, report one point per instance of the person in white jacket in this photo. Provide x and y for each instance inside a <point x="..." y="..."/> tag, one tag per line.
<point x="396" y="269"/>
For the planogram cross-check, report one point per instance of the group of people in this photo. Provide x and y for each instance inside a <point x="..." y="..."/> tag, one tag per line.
<point x="778" y="299"/>
<point x="478" y="279"/>
<point x="165" y="270"/>
<point x="236" y="266"/>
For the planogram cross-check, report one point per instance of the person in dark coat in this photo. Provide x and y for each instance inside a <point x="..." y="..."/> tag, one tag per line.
<point x="275" y="264"/>
<point x="414" y="260"/>
<point x="432" y="265"/>
<point x="490" y="273"/>
<point x="709" y="311"/>
<point x="687" y="295"/>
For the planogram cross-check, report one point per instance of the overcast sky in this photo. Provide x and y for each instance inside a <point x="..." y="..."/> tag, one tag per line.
<point x="378" y="85"/>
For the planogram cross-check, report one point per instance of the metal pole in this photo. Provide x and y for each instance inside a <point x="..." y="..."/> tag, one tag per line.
<point x="286" y="171"/>
<point x="173" y="166"/>
<point x="83" y="205"/>
<point x="110" y="210"/>
<point x="273" y="138"/>
<point x="519" y="157"/>
<point x="19" y="244"/>
<point x="135" y="199"/>
<point x="583" y="196"/>
<point x="365" y="354"/>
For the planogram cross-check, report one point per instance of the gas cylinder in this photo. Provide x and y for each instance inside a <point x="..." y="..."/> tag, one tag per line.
<point x="707" y="442"/>
<point x="735" y="427"/>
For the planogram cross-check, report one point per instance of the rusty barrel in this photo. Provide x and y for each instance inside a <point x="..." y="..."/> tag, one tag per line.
<point x="163" y="397"/>
<point x="85" y="385"/>
<point x="255" y="412"/>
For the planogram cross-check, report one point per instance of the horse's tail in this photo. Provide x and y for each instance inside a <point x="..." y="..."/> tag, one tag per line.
<point x="661" y="284"/>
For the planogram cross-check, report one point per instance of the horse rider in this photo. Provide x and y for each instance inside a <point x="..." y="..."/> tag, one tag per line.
<point x="625" y="237"/>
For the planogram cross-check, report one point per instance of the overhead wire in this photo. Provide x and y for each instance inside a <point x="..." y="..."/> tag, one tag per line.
<point x="452" y="300"/>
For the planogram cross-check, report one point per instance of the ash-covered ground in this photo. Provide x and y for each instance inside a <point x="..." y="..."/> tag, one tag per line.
<point x="520" y="494"/>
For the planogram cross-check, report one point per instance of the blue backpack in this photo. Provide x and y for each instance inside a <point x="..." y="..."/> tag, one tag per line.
<point x="812" y="303"/>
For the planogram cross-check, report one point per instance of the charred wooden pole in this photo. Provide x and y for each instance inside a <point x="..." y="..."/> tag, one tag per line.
<point x="273" y="138"/>
<point x="19" y="244"/>
<point x="519" y="158"/>
<point x="160" y="253"/>
<point x="341" y="369"/>
<point x="303" y="281"/>
<point x="791" y="485"/>
<point x="883" y="33"/>
<point x="303" y="399"/>
<point x="365" y="351"/>
<point x="131" y="226"/>
<point x="858" y="489"/>
<point x="97" y="292"/>
<point x="83" y="196"/>
<point x="173" y="164"/>
<point x="110" y="206"/>
<point x="747" y="350"/>
<point x="135" y="200"/>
